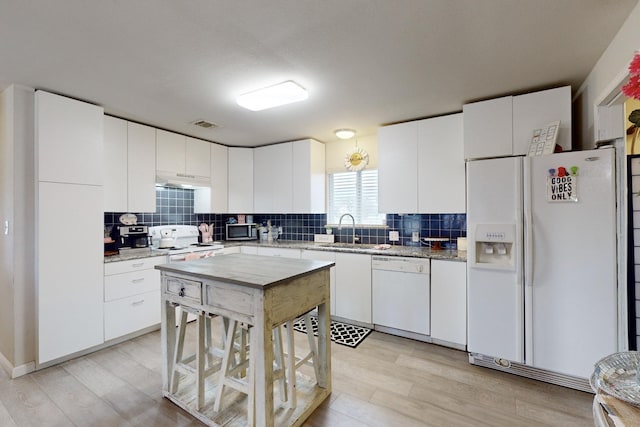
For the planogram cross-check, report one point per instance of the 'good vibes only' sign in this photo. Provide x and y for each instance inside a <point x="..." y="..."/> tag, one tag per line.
<point x="562" y="185"/>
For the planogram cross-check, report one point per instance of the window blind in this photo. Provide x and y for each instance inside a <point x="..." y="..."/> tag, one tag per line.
<point x="355" y="193"/>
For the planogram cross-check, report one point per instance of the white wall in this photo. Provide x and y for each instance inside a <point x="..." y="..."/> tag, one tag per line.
<point x="336" y="152"/>
<point x="604" y="78"/>
<point x="17" y="284"/>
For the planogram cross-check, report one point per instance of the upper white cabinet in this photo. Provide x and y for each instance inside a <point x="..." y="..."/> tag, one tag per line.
<point x="398" y="168"/>
<point x="536" y="110"/>
<point x="141" y="169"/>
<point x="272" y="175"/>
<point x="504" y="126"/>
<point x="309" y="177"/>
<point x="129" y="166"/>
<point x="69" y="140"/>
<point x="290" y="177"/>
<point x="488" y="128"/>
<point x="115" y="164"/>
<point x="181" y="158"/>
<point x="421" y="166"/>
<point x="214" y="199"/>
<point x="240" y="180"/>
<point x="441" y="170"/>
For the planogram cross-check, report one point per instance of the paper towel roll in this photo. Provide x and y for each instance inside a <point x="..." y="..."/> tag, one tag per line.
<point x="462" y="243"/>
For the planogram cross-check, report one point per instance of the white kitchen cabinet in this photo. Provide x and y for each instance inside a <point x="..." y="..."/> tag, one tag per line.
<point x="229" y="250"/>
<point x="115" y="165"/>
<point x="131" y="296"/>
<point x="214" y="199"/>
<point x="129" y="165"/>
<point x="197" y="157"/>
<point x="421" y="166"/>
<point x="449" y="303"/>
<point x="182" y="159"/>
<point x="325" y="256"/>
<point x="240" y="178"/>
<point x="69" y="269"/>
<point x="309" y="177"/>
<point x="131" y="314"/>
<point x="251" y="250"/>
<point x="279" y="252"/>
<point x="272" y="178"/>
<point x="170" y="152"/>
<point x="69" y="140"/>
<point x="441" y="168"/>
<point x="504" y="126"/>
<point x="353" y="287"/>
<point x="398" y="168"/>
<point x="488" y="128"/>
<point x="537" y="109"/>
<point x="141" y="168"/>
<point x="69" y="175"/>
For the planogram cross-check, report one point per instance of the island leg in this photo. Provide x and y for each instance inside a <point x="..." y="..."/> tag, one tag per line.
<point x="262" y="351"/>
<point x="168" y="340"/>
<point x="324" y="346"/>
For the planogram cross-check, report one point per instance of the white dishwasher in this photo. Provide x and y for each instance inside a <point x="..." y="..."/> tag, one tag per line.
<point x="401" y="294"/>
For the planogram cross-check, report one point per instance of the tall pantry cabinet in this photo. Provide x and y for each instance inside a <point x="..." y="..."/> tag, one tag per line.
<point x="69" y="224"/>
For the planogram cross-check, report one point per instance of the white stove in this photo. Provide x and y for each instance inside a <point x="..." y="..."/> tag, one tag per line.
<point x="185" y="242"/>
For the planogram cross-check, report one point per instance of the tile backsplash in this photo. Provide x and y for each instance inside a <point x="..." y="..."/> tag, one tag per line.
<point x="175" y="206"/>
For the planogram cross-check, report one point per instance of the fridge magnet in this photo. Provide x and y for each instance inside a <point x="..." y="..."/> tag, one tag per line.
<point x="562" y="184"/>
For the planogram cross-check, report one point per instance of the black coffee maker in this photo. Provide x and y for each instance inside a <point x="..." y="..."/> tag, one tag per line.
<point x="131" y="236"/>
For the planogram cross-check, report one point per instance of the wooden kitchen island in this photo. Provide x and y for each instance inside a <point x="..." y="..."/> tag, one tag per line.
<point x="262" y="292"/>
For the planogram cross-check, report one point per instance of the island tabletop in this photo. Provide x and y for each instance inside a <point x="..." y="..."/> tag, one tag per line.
<point x="263" y="293"/>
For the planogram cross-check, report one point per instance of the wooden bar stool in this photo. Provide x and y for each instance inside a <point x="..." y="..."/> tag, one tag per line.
<point x="204" y="355"/>
<point x="293" y="362"/>
<point x="233" y="372"/>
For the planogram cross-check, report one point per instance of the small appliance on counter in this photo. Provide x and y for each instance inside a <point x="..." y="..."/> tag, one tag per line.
<point x="241" y="231"/>
<point x="130" y="238"/>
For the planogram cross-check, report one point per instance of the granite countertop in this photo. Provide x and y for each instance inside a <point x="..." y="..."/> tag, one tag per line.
<point x="240" y="269"/>
<point x="394" y="250"/>
<point x="135" y="255"/>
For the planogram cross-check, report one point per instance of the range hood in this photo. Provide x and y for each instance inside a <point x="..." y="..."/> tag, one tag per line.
<point x="181" y="180"/>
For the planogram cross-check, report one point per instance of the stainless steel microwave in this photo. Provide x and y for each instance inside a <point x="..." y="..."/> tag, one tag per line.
<point x="241" y="232"/>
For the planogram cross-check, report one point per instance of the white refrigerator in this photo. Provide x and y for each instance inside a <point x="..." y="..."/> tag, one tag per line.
<point x="542" y="275"/>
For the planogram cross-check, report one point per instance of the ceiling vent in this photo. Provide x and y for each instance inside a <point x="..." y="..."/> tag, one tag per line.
<point x="205" y="124"/>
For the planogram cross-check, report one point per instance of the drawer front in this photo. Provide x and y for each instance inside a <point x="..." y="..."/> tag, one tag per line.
<point x="182" y="289"/>
<point x="128" y="284"/>
<point x="225" y="299"/>
<point x="133" y="265"/>
<point x="128" y="315"/>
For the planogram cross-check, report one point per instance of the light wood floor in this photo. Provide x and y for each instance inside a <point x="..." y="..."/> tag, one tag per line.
<point x="386" y="381"/>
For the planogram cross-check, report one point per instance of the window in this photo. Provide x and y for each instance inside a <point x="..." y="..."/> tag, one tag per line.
<point x="355" y="193"/>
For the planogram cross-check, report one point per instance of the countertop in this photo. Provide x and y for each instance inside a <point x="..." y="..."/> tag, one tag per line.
<point x="240" y="269"/>
<point x="395" y="250"/>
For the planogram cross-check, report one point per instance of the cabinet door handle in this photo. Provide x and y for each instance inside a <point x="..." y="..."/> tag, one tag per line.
<point x="137" y="302"/>
<point x="138" y="265"/>
<point x="138" y="280"/>
<point x="181" y="293"/>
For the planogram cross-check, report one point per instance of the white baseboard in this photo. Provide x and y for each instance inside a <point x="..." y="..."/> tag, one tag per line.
<point x="16" y="371"/>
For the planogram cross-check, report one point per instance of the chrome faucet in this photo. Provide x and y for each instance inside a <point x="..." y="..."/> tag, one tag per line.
<point x="354" y="225"/>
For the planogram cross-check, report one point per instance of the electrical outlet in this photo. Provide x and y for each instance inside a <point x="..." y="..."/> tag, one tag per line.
<point x="415" y="236"/>
<point x="394" y="236"/>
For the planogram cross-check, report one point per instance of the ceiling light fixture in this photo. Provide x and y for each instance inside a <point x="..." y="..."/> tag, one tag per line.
<point x="345" y="133"/>
<point x="273" y="96"/>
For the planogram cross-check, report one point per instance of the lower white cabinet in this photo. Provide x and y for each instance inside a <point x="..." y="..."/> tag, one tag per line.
<point x="131" y="296"/>
<point x="229" y="250"/>
<point x="251" y="250"/>
<point x="325" y="256"/>
<point x="449" y="302"/>
<point x="281" y="252"/>
<point x="353" y="287"/>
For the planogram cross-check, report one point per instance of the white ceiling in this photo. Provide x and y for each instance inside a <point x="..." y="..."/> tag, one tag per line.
<point x="365" y="63"/>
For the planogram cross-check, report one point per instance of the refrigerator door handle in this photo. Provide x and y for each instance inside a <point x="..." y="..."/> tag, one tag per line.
<point x="528" y="226"/>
